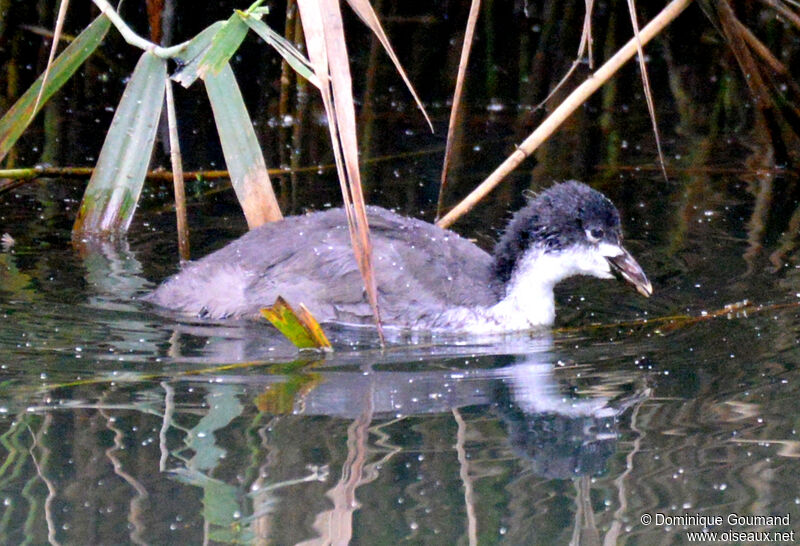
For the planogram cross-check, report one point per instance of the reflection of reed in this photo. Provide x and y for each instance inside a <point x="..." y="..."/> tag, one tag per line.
<point x="774" y="225"/>
<point x="40" y="464"/>
<point x="335" y="526"/>
<point x="137" y="505"/>
<point x="166" y="423"/>
<point x="466" y="479"/>
<point x="614" y="532"/>
<point x="585" y="531"/>
<point x="756" y="226"/>
<point x="712" y="432"/>
<point x="775" y="115"/>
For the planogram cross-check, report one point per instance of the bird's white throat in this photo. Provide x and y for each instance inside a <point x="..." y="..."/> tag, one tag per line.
<point x="529" y="301"/>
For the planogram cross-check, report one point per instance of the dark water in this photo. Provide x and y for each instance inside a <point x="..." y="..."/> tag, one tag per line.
<point x="122" y="426"/>
<point x="119" y="425"/>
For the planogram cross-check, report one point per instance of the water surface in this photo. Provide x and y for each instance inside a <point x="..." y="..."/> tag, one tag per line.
<point x="122" y="425"/>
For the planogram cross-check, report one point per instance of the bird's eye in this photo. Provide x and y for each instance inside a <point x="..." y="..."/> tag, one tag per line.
<point x="594" y="234"/>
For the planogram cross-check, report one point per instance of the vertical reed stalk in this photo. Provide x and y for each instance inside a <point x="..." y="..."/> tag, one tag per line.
<point x="177" y="176"/>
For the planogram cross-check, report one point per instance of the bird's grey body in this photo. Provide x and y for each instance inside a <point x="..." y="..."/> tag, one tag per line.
<point x="427" y="277"/>
<point x="308" y="259"/>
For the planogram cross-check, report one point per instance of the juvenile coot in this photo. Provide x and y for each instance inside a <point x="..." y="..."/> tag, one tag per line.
<point x="428" y="278"/>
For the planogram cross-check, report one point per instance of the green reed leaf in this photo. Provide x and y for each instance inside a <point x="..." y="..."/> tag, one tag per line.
<point x="246" y="165"/>
<point x="193" y="53"/>
<point x="284" y="47"/>
<point x="19" y="116"/>
<point x="113" y="191"/>
<point x="224" y="44"/>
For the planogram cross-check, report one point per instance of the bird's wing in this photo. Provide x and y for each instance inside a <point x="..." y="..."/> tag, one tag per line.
<point x="420" y="269"/>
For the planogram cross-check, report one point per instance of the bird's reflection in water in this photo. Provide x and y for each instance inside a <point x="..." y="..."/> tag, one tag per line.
<point x="557" y="434"/>
<point x="562" y="433"/>
<point x="563" y="436"/>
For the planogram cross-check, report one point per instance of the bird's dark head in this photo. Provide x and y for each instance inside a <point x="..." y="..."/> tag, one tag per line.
<point x="577" y="229"/>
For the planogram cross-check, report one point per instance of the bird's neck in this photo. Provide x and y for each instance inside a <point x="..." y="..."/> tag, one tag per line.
<point x="528" y="300"/>
<point x="525" y="305"/>
<point x="529" y="295"/>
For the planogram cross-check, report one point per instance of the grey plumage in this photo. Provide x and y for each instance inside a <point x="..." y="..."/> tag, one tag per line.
<point x="309" y="259"/>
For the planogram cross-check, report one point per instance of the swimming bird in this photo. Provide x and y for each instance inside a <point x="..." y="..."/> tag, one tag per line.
<point x="428" y="278"/>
